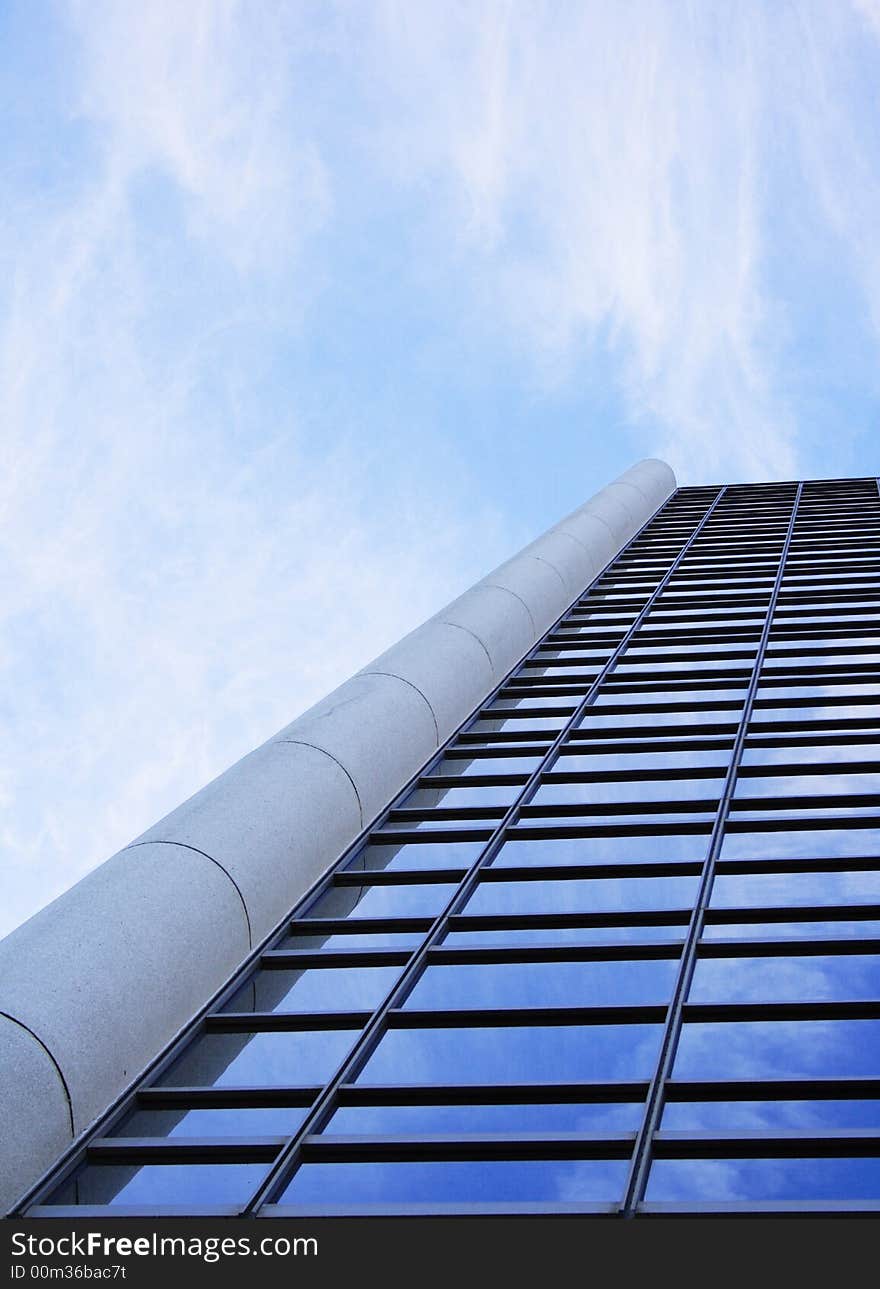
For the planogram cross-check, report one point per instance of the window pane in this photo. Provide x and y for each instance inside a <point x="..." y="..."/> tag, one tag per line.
<point x="629" y="790"/>
<point x="759" y="889"/>
<point x="274" y="1059"/>
<point x="807" y="978"/>
<point x="764" y="1179"/>
<point x="570" y="935"/>
<point x="820" y="843"/>
<point x="791" y="930"/>
<point x="214" y="1121"/>
<point x="158" y="1184"/>
<point x="544" y="984"/>
<point x="494" y="794"/>
<point x="421" y="855"/>
<point x="514" y="1054"/>
<point x="778" y="1049"/>
<point x="604" y="895"/>
<point x="420" y="899"/>
<point x="353" y="940"/>
<point x="457" y="1182"/>
<point x="406" y="1120"/>
<point x="751" y="1116"/>
<point x="521" y="849"/>
<point x="314" y="989"/>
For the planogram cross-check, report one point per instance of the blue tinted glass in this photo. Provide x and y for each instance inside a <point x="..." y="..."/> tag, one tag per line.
<point x="636" y="761"/>
<point x="420" y="899"/>
<point x="425" y="823"/>
<point x="830" y="689"/>
<point x="752" y="1116"/>
<point x="628" y="790"/>
<point x="226" y="1121"/>
<point x="571" y="935"/>
<point x="487" y="765"/>
<point x="581" y="1119"/>
<point x="638" y="698"/>
<point x="544" y="984"/>
<point x="777" y="1049"/>
<point x="409" y="855"/>
<point x="764" y="1179"/>
<point x="457" y="1182"/>
<point x="528" y="1054"/>
<point x="314" y="989"/>
<point x="658" y="720"/>
<point x="494" y="794"/>
<point x="354" y="940"/>
<point x="521" y="849"/>
<point x="526" y="724"/>
<point x="780" y="979"/>
<point x="819" y="712"/>
<point x="790" y="930"/>
<point x="158" y="1184"/>
<point x="758" y="889"/>
<point x="529" y="705"/>
<point x="756" y="753"/>
<point x="807" y="785"/>
<point x="277" y="1059"/>
<point x="583" y="896"/>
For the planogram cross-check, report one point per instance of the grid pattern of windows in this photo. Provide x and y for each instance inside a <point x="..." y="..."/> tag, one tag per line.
<point x="616" y="950"/>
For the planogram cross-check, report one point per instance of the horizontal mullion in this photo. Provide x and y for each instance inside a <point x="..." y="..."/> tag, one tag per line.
<point x="799" y="769"/>
<point x="184" y="1150"/>
<point x="444" y="955"/>
<point x="543" y="736"/>
<point x="815" y="823"/>
<point x="794" y="1088"/>
<point x="596" y="743"/>
<point x="263" y="1022"/>
<point x="624" y="869"/>
<point x="520" y="1017"/>
<point x="182" y="1097"/>
<point x="550" y="1093"/>
<point x="800" y="864"/>
<point x="825" y="700"/>
<point x="841" y="1009"/>
<point x="357" y="926"/>
<point x="720" y="915"/>
<point x="566" y="921"/>
<point x="426" y="836"/>
<point x="818" y="801"/>
<point x="295" y="959"/>
<point x="398" y="876"/>
<point x="653" y="733"/>
<point x="436" y="1147"/>
<point x="832" y="1143"/>
<point x="444" y="782"/>
<point x="787" y="948"/>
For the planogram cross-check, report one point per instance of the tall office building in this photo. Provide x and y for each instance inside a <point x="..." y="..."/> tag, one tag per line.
<point x="612" y="948"/>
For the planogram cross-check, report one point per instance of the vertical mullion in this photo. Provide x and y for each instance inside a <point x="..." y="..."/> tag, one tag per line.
<point x="363" y="1048"/>
<point x="641" y="1159"/>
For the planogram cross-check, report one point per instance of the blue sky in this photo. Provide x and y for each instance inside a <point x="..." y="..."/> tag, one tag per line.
<point x="313" y="312"/>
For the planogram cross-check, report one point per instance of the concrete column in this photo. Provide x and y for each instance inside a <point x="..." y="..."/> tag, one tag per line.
<point x="94" y="986"/>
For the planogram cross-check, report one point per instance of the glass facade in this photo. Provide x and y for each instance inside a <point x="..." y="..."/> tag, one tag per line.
<point x="616" y="950"/>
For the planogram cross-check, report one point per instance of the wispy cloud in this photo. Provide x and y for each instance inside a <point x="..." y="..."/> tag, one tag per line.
<point x="199" y="534"/>
<point x="185" y="565"/>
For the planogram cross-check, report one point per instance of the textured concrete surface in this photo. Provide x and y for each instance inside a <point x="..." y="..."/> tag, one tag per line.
<point x="35" y="1122"/>
<point x="105" y="975"/>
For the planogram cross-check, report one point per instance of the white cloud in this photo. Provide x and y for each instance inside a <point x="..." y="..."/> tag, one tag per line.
<point x="180" y="576"/>
<point x="621" y="174"/>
